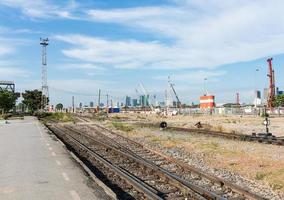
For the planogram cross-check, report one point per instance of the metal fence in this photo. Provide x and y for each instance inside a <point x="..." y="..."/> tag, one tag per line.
<point x="231" y="111"/>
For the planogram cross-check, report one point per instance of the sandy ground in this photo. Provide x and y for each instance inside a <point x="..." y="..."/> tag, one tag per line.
<point x="239" y="124"/>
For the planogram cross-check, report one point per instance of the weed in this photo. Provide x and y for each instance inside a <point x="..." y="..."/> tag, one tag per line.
<point x="59" y="117"/>
<point x="123" y="127"/>
<point x="260" y="175"/>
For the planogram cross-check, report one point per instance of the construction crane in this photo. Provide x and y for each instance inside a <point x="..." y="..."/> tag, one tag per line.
<point x="172" y="87"/>
<point x="147" y="96"/>
<point x="270" y="74"/>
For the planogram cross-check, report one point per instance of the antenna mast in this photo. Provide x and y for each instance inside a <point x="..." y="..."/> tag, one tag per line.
<point x="44" y="87"/>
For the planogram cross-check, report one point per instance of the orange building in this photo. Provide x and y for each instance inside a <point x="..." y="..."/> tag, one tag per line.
<point x="207" y="101"/>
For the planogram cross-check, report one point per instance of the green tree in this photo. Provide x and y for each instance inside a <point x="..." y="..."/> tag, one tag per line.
<point x="32" y="99"/>
<point x="59" y="106"/>
<point x="279" y="100"/>
<point x="7" y="100"/>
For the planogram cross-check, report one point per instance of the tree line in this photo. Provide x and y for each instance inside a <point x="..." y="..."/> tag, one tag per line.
<point x="31" y="101"/>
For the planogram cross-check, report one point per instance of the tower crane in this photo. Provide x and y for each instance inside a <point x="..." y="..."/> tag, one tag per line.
<point x="172" y="87"/>
<point x="147" y="96"/>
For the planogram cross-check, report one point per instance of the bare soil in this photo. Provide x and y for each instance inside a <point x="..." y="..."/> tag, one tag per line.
<point x="232" y="123"/>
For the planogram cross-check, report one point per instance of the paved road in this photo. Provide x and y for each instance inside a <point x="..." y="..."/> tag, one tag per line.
<point x="33" y="166"/>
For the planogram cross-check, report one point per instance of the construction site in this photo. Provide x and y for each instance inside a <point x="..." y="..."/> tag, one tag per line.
<point x="144" y="149"/>
<point x="138" y="139"/>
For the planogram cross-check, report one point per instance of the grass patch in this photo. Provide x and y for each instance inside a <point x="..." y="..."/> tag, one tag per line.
<point x="123" y="127"/>
<point x="58" y="117"/>
<point x="276" y="179"/>
<point x="260" y="175"/>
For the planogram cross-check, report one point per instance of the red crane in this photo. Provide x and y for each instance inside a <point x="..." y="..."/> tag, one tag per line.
<point x="238" y="99"/>
<point x="271" y="95"/>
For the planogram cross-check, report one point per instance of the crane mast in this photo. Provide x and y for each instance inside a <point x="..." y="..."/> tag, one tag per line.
<point x="271" y="96"/>
<point x="174" y="91"/>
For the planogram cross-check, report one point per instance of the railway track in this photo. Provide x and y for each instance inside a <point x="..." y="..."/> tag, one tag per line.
<point x="136" y="177"/>
<point x="176" y="168"/>
<point x="189" y="173"/>
<point x="232" y="136"/>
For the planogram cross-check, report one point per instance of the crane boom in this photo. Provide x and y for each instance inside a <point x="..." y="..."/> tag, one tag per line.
<point x="172" y="87"/>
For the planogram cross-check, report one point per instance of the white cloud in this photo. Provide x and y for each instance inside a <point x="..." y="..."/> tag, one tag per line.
<point x="205" y="34"/>
<point x="136" y="14"/>
<point x="194" y="77"/>
<point x="5" y="50"/>
<point x="41" y="8"/>
<point x="83" y="66"/>
<point x="8" y="73"/>
<point x="119" y="54"/>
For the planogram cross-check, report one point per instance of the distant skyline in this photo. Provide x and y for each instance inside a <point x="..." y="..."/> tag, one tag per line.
<point x="114" y="45"/>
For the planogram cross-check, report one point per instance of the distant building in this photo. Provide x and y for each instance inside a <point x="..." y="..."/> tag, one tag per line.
<point x="144" y="100"/>
<point x="91" y="104"/>
<point x="128" y="101"/>
<point x="135" y="102"/>
<point x="80" y="105"/>
<point x="102" y="105"/>
<point x="279" y="92"/>
<point x="265" y="94"/>
<point x="162" y="104"/>
<point x="207" y="101"/>
<point x="257" y="99"/>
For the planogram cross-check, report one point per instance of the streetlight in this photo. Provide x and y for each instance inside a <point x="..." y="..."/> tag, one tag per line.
<point x="205" y="88"/>
<point x="255" y="87"/>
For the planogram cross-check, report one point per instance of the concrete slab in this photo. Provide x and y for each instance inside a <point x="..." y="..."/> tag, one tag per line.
<point x="35" y="166"/>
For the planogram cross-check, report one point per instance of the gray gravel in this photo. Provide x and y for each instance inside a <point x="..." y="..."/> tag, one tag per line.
<point x="198" y="161"/>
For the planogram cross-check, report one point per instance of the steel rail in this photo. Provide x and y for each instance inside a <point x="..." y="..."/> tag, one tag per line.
<point x="177" y="181"/>
<point x="139" y="185"/>
<point x="221" y="181"/>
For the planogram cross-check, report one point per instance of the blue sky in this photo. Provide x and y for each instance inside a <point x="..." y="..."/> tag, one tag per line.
<point x="113" y="45"/>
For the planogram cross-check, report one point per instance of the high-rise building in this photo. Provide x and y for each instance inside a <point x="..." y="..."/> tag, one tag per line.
<point x="91" y="104"/>
<point x="265" y="94"/>
<point x="80" y="105"/>
<point x="257" y="99"/>
<point x="128" y="101"/>
<point x="144" y="100"/>
<point x="135" y="102"/>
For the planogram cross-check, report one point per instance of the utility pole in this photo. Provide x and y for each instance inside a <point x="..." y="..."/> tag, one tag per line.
<point x="255" y="87"/>
<point x="111" y="106"/>
<point x="99" y="100"/>
<point x="73" y="105"/>
<point x="166" y="101"/>
<point x="205" y="87"/>
<point x="44" y="87"/>
<point x="107" y="100"/>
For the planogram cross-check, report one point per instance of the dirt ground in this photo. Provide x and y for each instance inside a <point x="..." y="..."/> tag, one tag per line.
<point x="261" y="163"/>
<point x="239" y="124"/>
